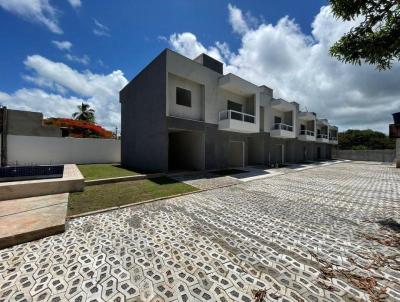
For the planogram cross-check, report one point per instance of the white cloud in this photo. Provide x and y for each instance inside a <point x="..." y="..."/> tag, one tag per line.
<point x="188" y="45"/>
<point x="75" y="3"/>
<point x="299" y="68"/>
<point x="85" y="60"/>
<point x="52" y="105"/>
<point x="39" y="11"/>
<point x="63" y="45"/>
<point x="100" y="29"/>
<point x="68" y="88"/>
<point x="236" y="19"/>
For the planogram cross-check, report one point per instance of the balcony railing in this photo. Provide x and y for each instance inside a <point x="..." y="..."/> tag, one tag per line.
<point x="322" y="136"/>
<point x="280" y="126"/>
<point x="307" y="132"/>
<point x="237" y="115"/>
<point x="333" y="138"/>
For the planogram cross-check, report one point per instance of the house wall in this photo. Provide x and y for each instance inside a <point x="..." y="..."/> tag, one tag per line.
<point x="216" y="142"/>
<point x="193" y="71"/>
<point x="29" y="123"/>
<point x="143" y="118"/>
<point x="149" y="113"/>
<point x="40" y="150"/>
<point x="215" y="98"/>
<point x="196" y="111"/>
<point x="222" y="100"/>
<point x="277" y="113"/>
<point x="187" y="148"/>
<point x="265" y="101"/>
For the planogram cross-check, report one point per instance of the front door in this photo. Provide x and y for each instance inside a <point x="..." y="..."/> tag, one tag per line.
<point x="236" y="154"/>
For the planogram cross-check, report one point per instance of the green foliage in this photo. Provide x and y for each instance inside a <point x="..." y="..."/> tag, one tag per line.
<point x="365" y="140"/>
<point x="376" y="40"/>
<point x="85" y="113"/>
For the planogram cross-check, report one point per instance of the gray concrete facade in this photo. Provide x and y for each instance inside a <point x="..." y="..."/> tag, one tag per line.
<point x="144" y="143"/>
<point x="158" y="134"/>
<point x="29" y="124"/>
<point x="387" y="155"/>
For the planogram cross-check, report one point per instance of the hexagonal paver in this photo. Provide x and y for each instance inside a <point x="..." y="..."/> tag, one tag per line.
<point x="291" y="235"/>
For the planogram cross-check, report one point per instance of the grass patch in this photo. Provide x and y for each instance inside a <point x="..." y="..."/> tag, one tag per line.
<point x="118" y="194"/>
<point x="99" y="171"/>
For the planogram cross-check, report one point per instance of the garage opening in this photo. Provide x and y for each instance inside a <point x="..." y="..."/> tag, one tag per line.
<point x="236" y="154"/>
<point x="277" y="155"/>
<point x="255" y="151"/>
<point x="185" y="150"/>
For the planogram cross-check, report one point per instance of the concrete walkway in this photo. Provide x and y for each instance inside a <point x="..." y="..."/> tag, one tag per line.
<point x="209" y="180"/>
<point x="28" y="219"/>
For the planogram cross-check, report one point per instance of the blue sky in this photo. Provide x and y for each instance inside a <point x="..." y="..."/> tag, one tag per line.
<point x="134" y="28"/>
<point x="49" y="47"/>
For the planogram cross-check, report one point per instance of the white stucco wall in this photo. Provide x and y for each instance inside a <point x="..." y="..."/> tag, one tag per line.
<point x="278" y="114"/>
<point x="215" y="98"/>
<point x="58" y="150"/>
<point x="196" y="111"/>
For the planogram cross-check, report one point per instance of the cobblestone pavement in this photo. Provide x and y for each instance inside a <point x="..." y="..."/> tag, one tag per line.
<point x="322" y="234"/>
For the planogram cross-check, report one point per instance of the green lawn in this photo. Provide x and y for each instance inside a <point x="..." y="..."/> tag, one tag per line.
<point x="117" y="194"/>
<point x="98" y="171"/>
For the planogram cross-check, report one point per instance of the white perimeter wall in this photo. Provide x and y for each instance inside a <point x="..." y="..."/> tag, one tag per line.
<point x="59" y="150"/>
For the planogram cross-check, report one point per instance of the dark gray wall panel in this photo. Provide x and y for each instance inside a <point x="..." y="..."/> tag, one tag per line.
<point x="144" y="144"/>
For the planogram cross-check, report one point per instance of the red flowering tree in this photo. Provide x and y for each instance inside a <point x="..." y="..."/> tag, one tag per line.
<point x="79" y="128"/>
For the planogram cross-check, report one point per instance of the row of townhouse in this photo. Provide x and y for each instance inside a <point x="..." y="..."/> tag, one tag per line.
<point x="180" y="114"/>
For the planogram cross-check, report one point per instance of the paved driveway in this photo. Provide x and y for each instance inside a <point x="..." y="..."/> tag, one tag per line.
<point x="321" y="234"/>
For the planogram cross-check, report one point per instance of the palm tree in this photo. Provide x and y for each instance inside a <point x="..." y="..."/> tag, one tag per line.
<point x="85" y="113"/>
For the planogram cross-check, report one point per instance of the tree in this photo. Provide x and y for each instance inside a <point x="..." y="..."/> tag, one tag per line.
<point x="85" y="113"/>
<point x="376" y="40"/>
<point x="364" y="140"/>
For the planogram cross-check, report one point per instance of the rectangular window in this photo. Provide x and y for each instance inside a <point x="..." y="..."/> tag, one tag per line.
<point x="183" y="97"/>
<point x="235" y="106"/>
<point x="277" y="120"/>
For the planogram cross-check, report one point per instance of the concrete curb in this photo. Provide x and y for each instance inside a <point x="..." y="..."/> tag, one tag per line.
<point x="103" y="181"/>
<point x="145" y="201"/>
<point x="183" y="194"/>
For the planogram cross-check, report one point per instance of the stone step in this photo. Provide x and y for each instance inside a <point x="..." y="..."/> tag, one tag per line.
<point x="28" y="219"/>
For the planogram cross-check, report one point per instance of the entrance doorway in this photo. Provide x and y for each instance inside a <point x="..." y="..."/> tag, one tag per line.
<point x="186" y="150"/>
<point x="236" y="154"/>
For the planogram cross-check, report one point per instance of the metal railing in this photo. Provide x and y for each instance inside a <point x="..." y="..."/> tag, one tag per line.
<point x="236" y="115"/>
<point x="333" y="138"/>
<point x="307" y="132"/>
<point x="280" y="126"/>
<point x="322" y="136"/>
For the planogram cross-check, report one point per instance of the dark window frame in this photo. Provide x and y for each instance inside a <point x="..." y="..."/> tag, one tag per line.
<point x="231" y="105"/>
<point x="277" y="120"/>
<point x="183" y="97"/>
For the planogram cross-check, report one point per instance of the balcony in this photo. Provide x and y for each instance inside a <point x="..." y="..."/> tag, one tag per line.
<point x="236" y="121"/>
<point x="322" y="138"/>
<point x="333" y="140"/>
<point x="306" y="116"/>
<point x="282" y="105"/>
<point x="307" y="136"/>
<point x="280" y="130"/>
<point x="237" y="85"/>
